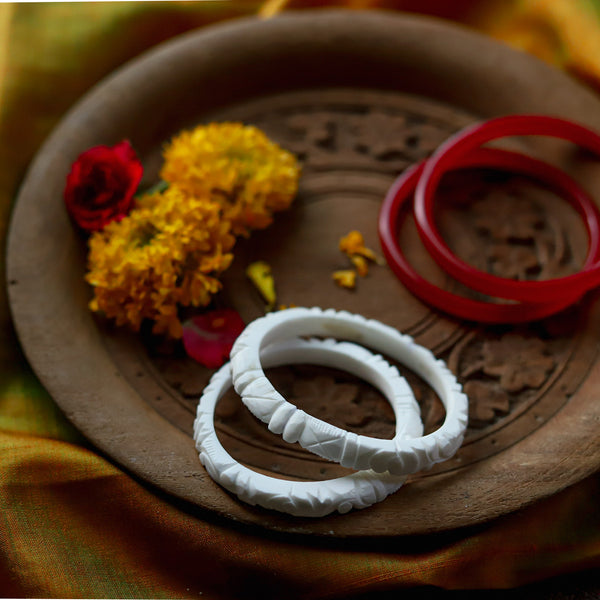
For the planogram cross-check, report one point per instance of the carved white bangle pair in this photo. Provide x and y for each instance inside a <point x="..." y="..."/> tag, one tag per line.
<point x="306" y="498"/>
<point x="381" y="464"/>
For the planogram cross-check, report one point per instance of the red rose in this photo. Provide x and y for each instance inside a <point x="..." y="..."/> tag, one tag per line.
<point x="101" y="185"/>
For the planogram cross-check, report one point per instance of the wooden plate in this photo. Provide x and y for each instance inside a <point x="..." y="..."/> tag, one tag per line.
<point x="358" y="96"/>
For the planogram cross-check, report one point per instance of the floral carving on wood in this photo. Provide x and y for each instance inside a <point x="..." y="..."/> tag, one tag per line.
<point x="500" y="372"/>
<point x="517" y="362"/>
<point x="370" y="138"/>
<point x="486" y="401"/>
<point x="337" y="401"/>
<point x="335" y="397"/>
<point x="510" y="227"/>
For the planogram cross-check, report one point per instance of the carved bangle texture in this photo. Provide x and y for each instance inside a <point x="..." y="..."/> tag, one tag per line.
<point x="307" y="498"/>
<point x="401" y="455"/>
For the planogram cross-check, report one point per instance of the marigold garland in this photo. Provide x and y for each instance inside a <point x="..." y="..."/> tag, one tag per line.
<point x="224" y="180"/>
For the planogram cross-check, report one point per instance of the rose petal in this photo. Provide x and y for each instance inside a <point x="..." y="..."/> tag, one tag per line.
<point x="208" y="337"/>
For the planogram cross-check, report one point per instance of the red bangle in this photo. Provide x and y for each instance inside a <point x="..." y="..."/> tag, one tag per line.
<point x="448" y="156"/>
<point x="391" y="216"/>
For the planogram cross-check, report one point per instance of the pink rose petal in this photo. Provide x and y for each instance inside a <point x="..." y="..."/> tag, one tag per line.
<point x="208" y="337"/>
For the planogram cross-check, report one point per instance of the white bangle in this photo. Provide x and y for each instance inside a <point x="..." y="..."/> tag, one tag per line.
<point x="306" y="498"/>
<point x="401" y="455"/>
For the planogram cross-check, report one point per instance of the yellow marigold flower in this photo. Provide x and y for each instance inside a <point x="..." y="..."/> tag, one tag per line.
<point x="222" y="180"/>
<point x="236" y="165"/>
<point x="167" y="252"/>
<point x="345" y="278"/>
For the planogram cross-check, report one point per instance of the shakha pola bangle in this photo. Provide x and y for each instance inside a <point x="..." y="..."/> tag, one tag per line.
<point x="307" y="498"/>
<point x="402" y="454"/>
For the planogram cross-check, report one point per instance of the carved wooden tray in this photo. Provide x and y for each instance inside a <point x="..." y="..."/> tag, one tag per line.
<point x="358" y="96"/>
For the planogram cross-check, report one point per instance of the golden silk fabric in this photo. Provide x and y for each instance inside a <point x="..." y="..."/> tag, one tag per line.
<point x="72" y="524"/>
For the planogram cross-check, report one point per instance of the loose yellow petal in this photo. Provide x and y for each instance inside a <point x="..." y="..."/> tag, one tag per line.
<point x="354" y="244"/>
<point x="360" y="264"/>
<point x="260" y="275"/>
<point x="345" y="278"/>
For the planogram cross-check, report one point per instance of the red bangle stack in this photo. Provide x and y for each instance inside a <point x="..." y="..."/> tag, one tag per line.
<point x="531" y="300"/>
